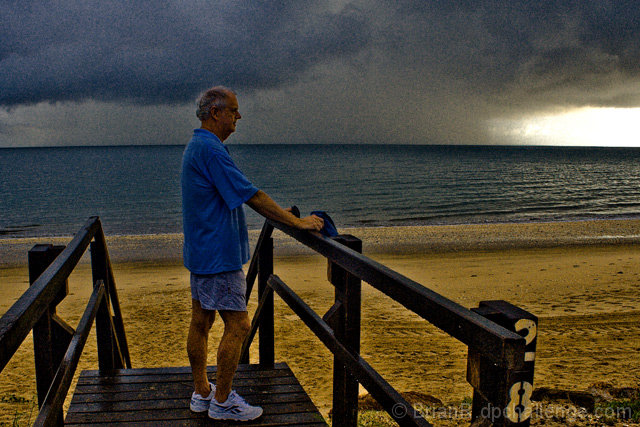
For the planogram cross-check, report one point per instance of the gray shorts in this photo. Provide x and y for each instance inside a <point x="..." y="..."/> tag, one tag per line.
<point x="220" y="291"/>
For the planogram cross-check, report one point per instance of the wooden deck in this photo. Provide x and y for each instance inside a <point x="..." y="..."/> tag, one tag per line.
<point x="160" y="396"/>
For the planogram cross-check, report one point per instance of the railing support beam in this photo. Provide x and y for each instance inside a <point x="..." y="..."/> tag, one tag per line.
<point x="109" y="354"/>
<point x="348" y="296"/>
<point x="51" y="335"/>
<point x="379" y="388"/>
<point x="118" y="324"/>
<point x="265" y="329"/>
<point x="255" y="322"/>
<point x="502" y="395"/>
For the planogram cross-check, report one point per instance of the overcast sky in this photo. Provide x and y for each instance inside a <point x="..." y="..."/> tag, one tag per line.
<point x="426" y="72"/>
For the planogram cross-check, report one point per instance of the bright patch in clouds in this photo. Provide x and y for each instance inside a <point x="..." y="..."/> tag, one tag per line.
<point x="608" y="127"/>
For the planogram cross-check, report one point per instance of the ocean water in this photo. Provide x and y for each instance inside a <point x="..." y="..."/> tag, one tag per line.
<point x="135" y="189"/>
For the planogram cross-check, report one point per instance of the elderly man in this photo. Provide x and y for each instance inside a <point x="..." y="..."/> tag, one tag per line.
<point x="215" y="248"/>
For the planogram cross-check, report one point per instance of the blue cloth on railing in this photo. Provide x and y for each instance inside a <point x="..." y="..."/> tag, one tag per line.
<point x="329" y="228"/>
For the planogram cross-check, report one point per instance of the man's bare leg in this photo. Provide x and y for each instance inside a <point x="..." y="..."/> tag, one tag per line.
<point x="236" y="328"/>
<point x="201" y="322"/>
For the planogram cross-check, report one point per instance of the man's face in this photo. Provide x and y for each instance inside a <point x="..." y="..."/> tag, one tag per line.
<point x="228" y="116"/>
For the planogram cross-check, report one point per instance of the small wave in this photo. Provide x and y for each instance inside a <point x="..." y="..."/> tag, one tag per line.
<point x="17" y="229"/>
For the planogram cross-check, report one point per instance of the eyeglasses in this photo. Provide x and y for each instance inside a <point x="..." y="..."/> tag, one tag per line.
<point x="233" y="110"/>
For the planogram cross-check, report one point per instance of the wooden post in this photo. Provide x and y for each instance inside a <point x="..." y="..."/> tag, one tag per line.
<point x="346" y="321"/>
<point x="502" y="396"/>
<point x="265" y="331"/>
<point x="109" y="356"/>
<point x="51" y="335"/>
<point x="114" y="303"/>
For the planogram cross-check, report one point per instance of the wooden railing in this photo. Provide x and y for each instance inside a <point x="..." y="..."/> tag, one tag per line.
<point x="57" y="346"/>
<point x="501" y="337"/>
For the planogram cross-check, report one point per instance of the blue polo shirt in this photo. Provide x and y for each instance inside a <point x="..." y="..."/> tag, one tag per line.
<point x="213" y="191"/>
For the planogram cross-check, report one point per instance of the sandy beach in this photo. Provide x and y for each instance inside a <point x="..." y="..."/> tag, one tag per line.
<point x="580" y="278"/>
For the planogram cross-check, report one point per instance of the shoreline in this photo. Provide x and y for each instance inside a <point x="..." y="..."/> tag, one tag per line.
<point x="418" y="239"/>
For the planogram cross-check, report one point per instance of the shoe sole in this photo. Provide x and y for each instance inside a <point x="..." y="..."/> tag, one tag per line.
<point x="235" y="419"/>
<point x="198" y="412"/>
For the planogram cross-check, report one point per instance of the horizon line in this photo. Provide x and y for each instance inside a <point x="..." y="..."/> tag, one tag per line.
<point x="333" y="143"/>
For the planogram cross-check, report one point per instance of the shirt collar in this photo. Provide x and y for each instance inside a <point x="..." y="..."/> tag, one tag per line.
<point x="210" y="137"/>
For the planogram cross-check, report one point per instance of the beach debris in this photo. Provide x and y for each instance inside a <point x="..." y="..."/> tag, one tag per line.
<point x="582" y="399"/>
<point x="604" y="391"/>
<point x="594" y="394"/>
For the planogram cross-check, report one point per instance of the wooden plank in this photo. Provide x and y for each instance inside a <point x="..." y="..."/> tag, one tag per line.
<point x="168" y="392"/>
<point x="183" y="369"/>
<point x="208" y="423"/>
<point x="170" y="377"/>
<point x="301" y="419"/>
<point x="161" y="416"/>
<point x="93" y="405"/>
<point x="114" y="387"/>
<point x="175" y="409"/>
<point x="180" y="374"/>
<point x="140" y="379"/>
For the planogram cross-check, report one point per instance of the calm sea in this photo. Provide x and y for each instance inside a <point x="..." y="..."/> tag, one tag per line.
<point x="135" y="189"/>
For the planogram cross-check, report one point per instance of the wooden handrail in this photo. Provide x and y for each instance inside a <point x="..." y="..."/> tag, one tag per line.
<point x="18" y="321"/>
<point x="497" y="368"/>
<point x="57" y="346"/>
<point x="502" y="346"/>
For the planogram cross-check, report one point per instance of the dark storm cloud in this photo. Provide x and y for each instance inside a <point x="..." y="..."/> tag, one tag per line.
<point x="386" y="70"/>
<point x="552" y="45"/>
<point x="162" y="51"/>
<point x="520" y="46"/>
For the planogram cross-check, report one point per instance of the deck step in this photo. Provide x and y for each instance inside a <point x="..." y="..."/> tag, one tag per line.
<point x="160" y="397"/>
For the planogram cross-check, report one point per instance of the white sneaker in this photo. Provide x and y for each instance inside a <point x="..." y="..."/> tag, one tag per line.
<point x="199" y="403"/>
<point x="235" y="408"/>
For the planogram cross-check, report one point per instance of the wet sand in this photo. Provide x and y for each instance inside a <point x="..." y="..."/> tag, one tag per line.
<point x="581" y="279"/>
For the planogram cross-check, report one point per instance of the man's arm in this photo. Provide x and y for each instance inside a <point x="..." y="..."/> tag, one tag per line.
<point x="265" y="206"/>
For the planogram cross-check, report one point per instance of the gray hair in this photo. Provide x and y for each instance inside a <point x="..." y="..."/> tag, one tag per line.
<point x="214" y="97"/>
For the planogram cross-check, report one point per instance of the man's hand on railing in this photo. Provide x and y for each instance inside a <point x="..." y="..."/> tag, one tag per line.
<point x="312" y="223"/>
<point x="265" y="206"/>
